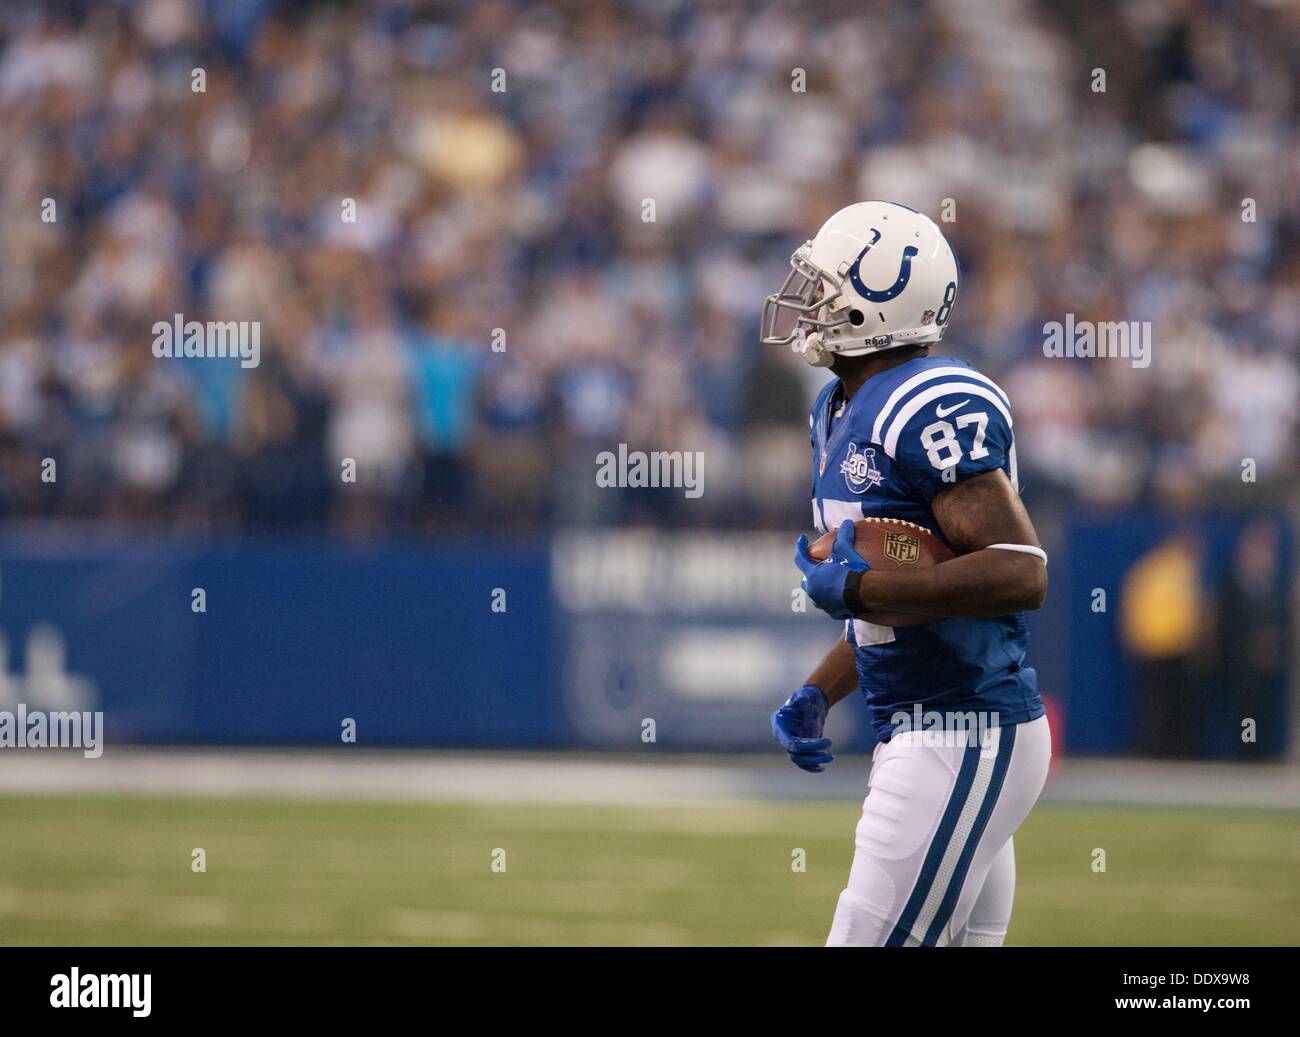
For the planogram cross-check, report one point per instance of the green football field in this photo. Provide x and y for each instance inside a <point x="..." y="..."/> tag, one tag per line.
<point x="118" y="871"/>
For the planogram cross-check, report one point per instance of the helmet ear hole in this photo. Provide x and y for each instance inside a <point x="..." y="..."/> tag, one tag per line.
<point x="856" y="318"/>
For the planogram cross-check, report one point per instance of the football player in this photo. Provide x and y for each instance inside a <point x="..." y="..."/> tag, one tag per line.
<point x="902" y="434"/>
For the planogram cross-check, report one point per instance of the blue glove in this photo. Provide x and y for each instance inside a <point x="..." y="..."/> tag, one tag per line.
<point x="824" y="581"/>
<point x="797" y="726"/>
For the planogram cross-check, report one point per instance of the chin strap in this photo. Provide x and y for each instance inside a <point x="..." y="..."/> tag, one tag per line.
<point x="1024" y="549"/>
<point x="811" y="349"/>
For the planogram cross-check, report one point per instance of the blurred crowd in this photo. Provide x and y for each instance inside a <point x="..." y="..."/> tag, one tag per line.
<point x="489" y="239"/>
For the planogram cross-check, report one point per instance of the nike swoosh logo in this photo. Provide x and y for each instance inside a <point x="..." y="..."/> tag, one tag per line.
<point x="944" y="412"/>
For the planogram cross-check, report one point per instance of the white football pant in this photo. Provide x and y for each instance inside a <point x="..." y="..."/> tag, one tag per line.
<point x="934" y="863"/>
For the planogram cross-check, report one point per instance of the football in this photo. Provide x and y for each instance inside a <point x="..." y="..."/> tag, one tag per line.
<point x="890" y="544"/>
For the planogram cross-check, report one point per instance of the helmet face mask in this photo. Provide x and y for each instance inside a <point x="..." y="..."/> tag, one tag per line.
<point x="830" y="290"/>
<point x="808" y="294"/>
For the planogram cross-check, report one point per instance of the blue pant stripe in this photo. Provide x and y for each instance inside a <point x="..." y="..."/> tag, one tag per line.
<point x="1006" y="746"/>
<point x="938" y="847"/>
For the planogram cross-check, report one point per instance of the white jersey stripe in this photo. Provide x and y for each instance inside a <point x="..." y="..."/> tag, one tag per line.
<point x="921" y="379"/>
<point x="867" y="634"/>
<point x="918" y="401"/>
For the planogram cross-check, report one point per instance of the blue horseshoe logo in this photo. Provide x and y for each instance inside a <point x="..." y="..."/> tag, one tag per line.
<point x="904" y="272"/>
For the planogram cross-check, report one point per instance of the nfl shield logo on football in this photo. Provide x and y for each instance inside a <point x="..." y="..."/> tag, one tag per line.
<point x="902" y="548"/>
<point x="859" y="469"/>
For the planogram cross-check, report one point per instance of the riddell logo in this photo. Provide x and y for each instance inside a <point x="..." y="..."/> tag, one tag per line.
<point x="96" y="990"/>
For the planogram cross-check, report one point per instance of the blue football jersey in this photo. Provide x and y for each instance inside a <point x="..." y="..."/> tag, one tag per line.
<point x="905" y="435"/>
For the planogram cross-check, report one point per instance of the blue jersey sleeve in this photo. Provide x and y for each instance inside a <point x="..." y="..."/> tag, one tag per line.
<point x="954" y="433"/>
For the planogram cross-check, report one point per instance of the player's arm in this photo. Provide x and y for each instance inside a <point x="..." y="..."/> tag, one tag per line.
<point x="837" y="674"/>
<point x="984" y="580"/>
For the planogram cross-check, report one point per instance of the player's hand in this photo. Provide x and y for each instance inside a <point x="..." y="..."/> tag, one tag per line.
<point x="824" y="581"/>
<point x="797" y="726"/>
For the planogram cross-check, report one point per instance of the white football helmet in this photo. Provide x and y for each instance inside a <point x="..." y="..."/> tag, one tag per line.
<point x="876" y="276"/>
